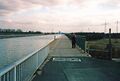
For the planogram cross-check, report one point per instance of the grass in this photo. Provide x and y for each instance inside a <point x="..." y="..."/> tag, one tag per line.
<point x="101" y="44"/>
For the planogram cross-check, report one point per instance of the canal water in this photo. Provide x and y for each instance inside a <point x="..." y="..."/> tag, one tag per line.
<point x="13" y="49"/>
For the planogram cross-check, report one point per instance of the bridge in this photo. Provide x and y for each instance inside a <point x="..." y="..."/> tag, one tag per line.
<point x="58" y="61"/>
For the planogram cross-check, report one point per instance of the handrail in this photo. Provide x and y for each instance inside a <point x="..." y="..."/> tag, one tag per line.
<point x="7" y="68"/>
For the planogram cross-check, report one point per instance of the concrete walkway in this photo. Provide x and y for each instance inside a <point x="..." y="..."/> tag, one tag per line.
<point x="62" y="48"/>
<point x="67" y="64"/>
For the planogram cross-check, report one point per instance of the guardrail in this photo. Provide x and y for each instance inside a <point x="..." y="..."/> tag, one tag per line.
<point x="24" y="69"/>
<point x="80" y="41"/>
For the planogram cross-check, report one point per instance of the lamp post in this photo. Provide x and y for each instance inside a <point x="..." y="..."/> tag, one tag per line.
<point x="110" y="46"/>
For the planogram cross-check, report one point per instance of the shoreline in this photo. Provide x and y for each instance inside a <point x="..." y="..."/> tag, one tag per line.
<point x="17" y="35"/>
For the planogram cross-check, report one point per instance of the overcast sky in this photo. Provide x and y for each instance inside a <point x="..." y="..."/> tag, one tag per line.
<point x="60" y="15"/>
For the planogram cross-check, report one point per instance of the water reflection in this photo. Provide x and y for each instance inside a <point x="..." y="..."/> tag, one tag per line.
<point x="13" y="49"/>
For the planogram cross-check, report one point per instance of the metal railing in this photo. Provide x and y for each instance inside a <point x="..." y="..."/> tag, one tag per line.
<point x="80" y="41"/>
<point x="24" y="69"/>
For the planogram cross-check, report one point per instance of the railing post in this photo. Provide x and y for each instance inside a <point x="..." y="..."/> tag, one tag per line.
<point x="15" y="73"/>
<point x="8" y="76"/>
<point x="38" y="58"/>
<point x="3" y="77"/>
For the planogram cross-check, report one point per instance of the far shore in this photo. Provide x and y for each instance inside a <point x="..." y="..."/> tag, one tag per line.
<point x="17" y="35"/>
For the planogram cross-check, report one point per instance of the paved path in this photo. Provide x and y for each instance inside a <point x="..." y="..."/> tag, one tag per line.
<point x="63" y="67"/>
<point x="62" y="48"/>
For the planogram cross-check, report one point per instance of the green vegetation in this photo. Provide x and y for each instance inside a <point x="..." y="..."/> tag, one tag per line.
<point x="17" y="31"/>
<point x="101" y="44"/>
<point x="99" y="47"/>
<point x="10" y="33"/>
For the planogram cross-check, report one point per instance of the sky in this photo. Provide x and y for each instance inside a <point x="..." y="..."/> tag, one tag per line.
<point x="60" y="15"/>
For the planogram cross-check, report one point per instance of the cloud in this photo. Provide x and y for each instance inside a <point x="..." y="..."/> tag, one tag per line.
<point x="43" y="2"/>
<point x="68" y="13"/>
<point x="11" y="6"/>
<point x="110" y="4"/>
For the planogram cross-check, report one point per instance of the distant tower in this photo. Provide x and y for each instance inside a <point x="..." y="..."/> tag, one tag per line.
<point x="88" y="29"/>
<point x="117" y="26"/>
<point x="105" y="28"/>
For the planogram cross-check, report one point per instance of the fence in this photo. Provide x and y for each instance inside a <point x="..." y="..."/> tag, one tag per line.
<point x="24" y="69"/>
<point x="80" y="41"/>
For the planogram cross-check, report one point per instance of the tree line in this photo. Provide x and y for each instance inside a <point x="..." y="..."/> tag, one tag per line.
<point x="18" y="31"/>
<point x="97" y="36"/>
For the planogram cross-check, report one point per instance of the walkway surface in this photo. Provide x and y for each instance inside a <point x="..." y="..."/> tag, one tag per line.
<point x="67" y="64"/>
<point x="62" y="48"/>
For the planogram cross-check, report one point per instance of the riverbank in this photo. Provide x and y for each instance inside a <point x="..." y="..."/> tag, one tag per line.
<point x="17" y="35"/>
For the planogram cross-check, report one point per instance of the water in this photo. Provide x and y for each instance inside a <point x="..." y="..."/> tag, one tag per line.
<point x="13" y="49"/>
